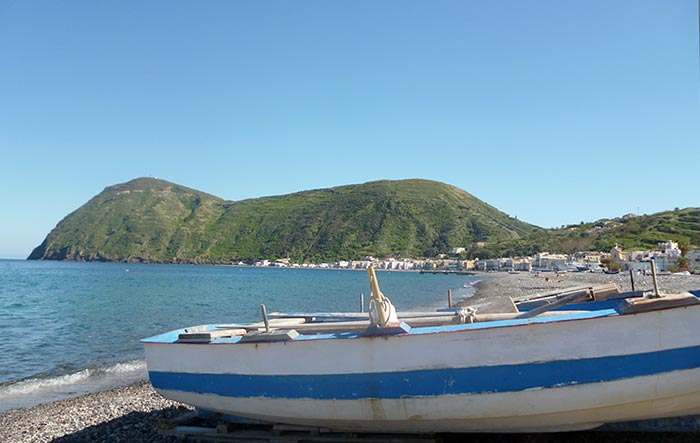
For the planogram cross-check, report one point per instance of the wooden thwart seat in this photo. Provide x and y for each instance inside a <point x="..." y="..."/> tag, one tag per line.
<point x="637" y="305"/>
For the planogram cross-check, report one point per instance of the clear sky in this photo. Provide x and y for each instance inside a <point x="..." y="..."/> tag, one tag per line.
<point x="552" y="111"/>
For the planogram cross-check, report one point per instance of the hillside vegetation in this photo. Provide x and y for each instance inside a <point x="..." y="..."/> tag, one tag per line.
<point x="151" y="220"/>
<point x="642" y="232"/>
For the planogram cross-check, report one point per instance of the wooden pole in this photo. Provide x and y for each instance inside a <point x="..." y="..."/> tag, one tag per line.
<point x="449" y="298"/>
<point x="417" y="322"/>
<point x="632" y="279"/>
<point x="553" y="305"/>
<point x="264" y="315"/>
<point x="653" y="278"/>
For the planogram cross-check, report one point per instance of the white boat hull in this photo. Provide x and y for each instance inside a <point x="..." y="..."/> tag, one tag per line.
<point x="533" y="375"/>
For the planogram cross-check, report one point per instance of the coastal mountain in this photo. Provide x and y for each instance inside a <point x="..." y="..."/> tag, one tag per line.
<point x="152" y="220"/>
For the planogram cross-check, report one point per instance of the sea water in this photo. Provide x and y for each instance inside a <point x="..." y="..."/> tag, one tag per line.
<point x="72" y="328"/>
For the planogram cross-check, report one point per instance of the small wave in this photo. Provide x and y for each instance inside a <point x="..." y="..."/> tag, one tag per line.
<point x="37" y="390"/>
<point x="36" y="384"/>
<point x="129" y="366"/>
<point x="469" y="289"/>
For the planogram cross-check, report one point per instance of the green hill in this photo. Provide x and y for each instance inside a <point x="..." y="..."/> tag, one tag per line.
<point x="151" y="220"/>
<point x="631" y="232"/>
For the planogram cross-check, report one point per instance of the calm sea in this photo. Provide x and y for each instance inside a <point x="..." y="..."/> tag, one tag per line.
<point x="73" y="328"/>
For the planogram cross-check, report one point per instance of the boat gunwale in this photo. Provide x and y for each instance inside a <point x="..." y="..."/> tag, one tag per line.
<point x="171" y="337"/>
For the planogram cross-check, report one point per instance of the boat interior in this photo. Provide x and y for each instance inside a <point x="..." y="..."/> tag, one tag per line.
<point x="567" y="304"/>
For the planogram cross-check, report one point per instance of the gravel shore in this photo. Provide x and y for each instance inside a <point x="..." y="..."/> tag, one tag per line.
<point x="493" y="292"/>
<point x="125" y="414"/>
<point x="131" y="413"/>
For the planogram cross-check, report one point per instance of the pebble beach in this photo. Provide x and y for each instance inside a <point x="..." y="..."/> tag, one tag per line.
<point x="494" y="291"/>
<point x="131" y="413"/>
<point x="124" y="414"/>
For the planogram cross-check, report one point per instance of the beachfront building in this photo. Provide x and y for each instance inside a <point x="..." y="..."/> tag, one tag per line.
<point x="666" y="256"/>
<point x="637" y="256"/>
<point x="663" y="261"/>
<point x="639" y="266"/>
<point x="618" y="254"/>
<point x="360" y="264"/>
<point x="522" y="264"/>
<point x="589" y="257"/>
<point x="545" y="260"/>
<point x="670" y="249"/>
<point x="694" y="257"/>
<point x="481" y="264"/>
<point x="469" y="264"/>
<point x="515" y="264"/>
<point x="280" y="263"/>
<point x="395" y="265"/>
<point x="494" y="264"/>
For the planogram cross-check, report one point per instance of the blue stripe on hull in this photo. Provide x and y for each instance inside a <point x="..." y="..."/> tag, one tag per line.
<point x="436" y="382"/>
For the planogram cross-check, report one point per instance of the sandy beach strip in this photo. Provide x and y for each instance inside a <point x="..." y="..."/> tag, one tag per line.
<point x="131" y="413"/>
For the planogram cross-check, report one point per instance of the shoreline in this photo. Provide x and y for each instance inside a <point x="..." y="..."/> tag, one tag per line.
<point x="132" y="412"/>
<point x="126" y="413"/>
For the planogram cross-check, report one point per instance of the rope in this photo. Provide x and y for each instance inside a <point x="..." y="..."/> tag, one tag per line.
<point x="466" y="315"/>
<point x="387" y="307"/>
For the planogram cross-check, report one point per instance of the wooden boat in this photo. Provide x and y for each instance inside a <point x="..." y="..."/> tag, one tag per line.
<point x="623" y="358"/>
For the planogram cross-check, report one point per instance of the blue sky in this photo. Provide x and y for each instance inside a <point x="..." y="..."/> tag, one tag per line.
<point x="552" y="111"/>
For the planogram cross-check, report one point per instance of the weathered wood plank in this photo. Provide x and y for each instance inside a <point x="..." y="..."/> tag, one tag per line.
<point x="600" y="292"/>
<point x="218" y="430"/>
<point x="438" y="320"/>
<point x="556" y="303"/>
<point x="576" y="297"/>
<point x="351" y="316"/>
<point x="270" y="336"/>
<point x="275" y="323"/>
<point x="208" y="336"/>
<point x="637" y="305"/>
<point x="541" y="295"/>
<point x="589" y="293"/>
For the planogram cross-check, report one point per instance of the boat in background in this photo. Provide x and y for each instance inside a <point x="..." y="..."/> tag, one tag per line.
<point x="566" y="361"/>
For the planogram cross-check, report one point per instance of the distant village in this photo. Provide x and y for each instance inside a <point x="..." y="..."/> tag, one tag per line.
<point x="668" y="258"/>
